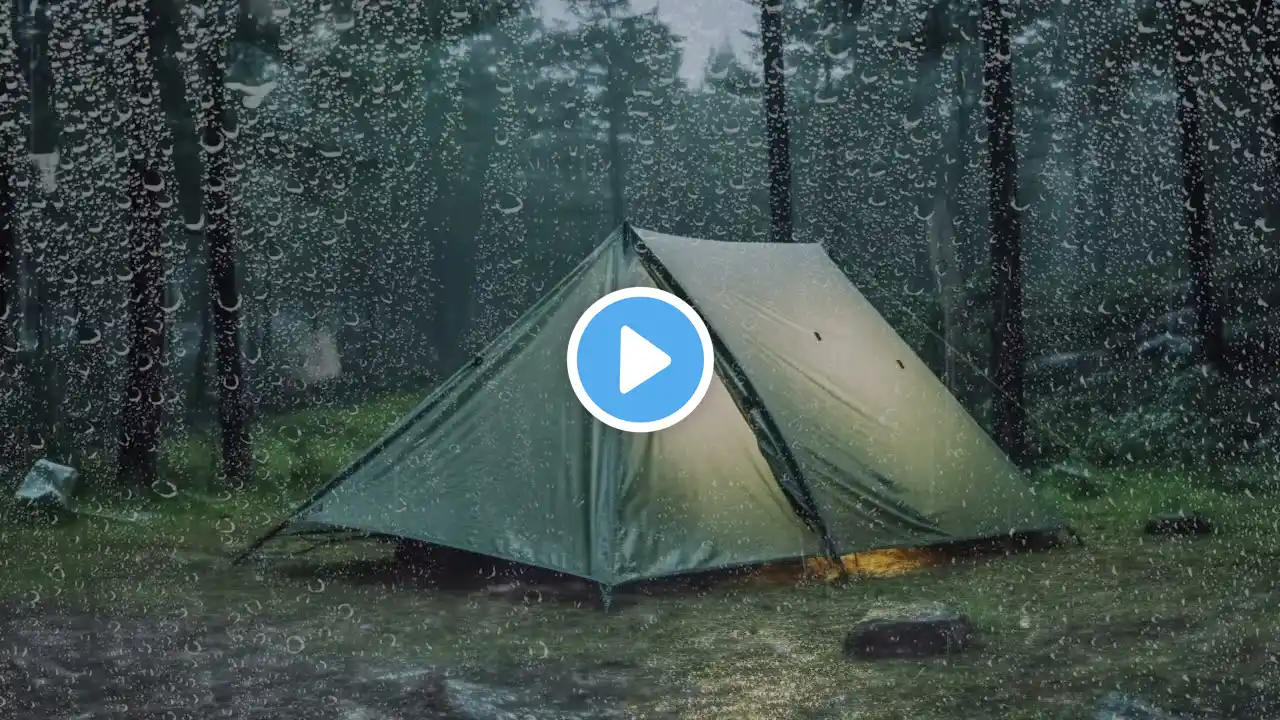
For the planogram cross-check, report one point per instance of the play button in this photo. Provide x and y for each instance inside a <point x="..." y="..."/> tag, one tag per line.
<point x="640" y="359"/>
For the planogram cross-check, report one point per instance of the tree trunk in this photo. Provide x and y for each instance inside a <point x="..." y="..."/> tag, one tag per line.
<point x="199" y="389"/>
<point x="1201" y="253"/>
<point x="827" y="115"/>
<point x="8" y="258"/>
<point x="211" y="200"/>
<point x="776" y="128"/>
<point x="35" y="22"/>
<point x="44" y="366"/>
<point x="617" y="173"/>
<point x="830" y="146"/>
<point x="1269" y="43"/>
<point x="961" y="265"/>
<point x="1008" y="351"/>
<point x="10" y="442"/>
<point x="57" y="299"/>
<point x="164" y="48"/>
<point x="140" y="418"/>
<point x="224" y="292"/>
<point x="8" y="253"/>
<point x="1273" y="21"/>
<point x="942" y="260"/>
<point x="139" y="434"/>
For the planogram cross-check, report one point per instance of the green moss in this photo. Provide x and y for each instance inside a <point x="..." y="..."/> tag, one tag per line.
<point x="190" y="462"/>
<point x="292" y="453"/>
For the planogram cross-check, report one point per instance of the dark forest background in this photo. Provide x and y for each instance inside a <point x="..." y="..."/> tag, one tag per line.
<point x="217" y="212"/>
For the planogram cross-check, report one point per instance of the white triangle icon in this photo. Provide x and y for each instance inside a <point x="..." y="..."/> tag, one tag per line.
<point x="639" y="361"/>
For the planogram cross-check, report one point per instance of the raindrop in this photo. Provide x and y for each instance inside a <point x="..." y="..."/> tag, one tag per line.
<point x="511" y="210"/>
<point x="253" y="94"/>
<point x="165" y="489"/>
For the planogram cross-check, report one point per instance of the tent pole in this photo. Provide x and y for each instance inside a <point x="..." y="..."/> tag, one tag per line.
<point x="628" y="237"/>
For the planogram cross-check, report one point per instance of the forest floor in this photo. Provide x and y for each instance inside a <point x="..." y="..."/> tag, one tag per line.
<point x="146" y="618"/>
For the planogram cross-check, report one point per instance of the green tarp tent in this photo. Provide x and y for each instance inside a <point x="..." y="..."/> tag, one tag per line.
<point x="822" y="434"/>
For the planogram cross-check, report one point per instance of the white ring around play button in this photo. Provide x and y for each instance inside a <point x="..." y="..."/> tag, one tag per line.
<point x="640" y="359"/>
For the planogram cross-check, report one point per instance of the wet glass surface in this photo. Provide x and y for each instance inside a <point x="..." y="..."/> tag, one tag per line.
<point x="241" y="243"/>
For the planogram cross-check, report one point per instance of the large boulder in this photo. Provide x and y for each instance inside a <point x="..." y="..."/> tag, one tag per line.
<point x="908" y="630"/>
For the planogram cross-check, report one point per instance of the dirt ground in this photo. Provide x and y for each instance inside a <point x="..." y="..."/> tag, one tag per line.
<point x="81" y="665"/>
<point x="146" y="619"/>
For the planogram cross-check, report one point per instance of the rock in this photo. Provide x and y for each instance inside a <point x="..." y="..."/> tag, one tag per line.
<point x="908" y="630"/>
<point x="1179" y="525"/>
<point x="47" y="484"/>
<point x="1118" y="706"/>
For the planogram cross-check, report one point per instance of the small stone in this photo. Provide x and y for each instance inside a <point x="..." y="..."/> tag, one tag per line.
<point x="1118" y="706"/>
<point x="1179" y="525"/>
<point x="909" y="630"/>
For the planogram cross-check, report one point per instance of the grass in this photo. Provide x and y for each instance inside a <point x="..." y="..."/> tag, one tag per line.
<point x="1189" y="624"/>
<point x="292" y="452"/>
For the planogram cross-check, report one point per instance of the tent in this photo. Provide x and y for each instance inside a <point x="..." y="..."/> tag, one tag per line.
<point x="822" y="434"/>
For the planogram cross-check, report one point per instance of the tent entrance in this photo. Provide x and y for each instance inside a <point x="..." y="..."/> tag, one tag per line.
<point x="750" y="406"/>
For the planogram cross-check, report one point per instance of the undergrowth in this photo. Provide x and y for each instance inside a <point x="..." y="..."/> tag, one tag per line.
<point x="1180" y="622"/>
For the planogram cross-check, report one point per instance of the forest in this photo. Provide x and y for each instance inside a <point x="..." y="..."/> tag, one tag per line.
<point x="214" y="214"/>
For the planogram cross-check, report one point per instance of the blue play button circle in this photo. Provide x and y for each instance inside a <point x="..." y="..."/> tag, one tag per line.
<point x="640" y="359"/>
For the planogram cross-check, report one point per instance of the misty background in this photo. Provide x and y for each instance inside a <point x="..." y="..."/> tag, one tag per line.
<point x="391" y="185"/>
